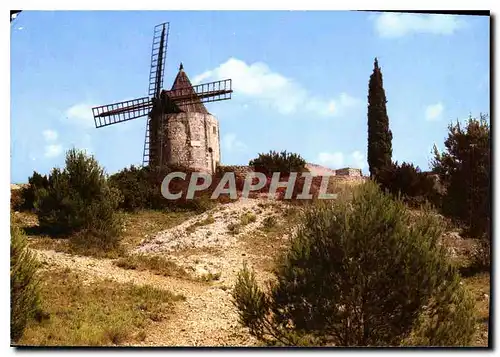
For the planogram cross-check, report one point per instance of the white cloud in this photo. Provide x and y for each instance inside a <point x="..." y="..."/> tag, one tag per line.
<point x="338" y="160"/>
<point x="231" y="143"/>
<point x="434" y="111"/>
<point x="392" y="25"/>
<point x="81" y="114"/>
<point x="333" y="160"/>
<point x="53" y="150"/>
<point x="50" y="135"/>
<point x="259" y="82"/>
<point x="358" y="160"/>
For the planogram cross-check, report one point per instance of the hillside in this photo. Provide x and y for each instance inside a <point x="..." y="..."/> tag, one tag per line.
<point x="193" y="257"/>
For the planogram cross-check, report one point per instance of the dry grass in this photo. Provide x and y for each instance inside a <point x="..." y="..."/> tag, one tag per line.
<point x="97" y="314"/>
<point x="153" y="263"/>
<point x="266" y="243"/>
<point x="247" y="218"/>
<point x="143" y="224"/>
<point x="137" y="227"/>
<point x="161" y="266"/>
<point x="479" y="285"/>
<point x="214" y="251"/>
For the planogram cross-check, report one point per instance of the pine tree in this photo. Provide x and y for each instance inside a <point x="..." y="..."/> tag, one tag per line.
<point x="379" y="134"/>
<point x="464" y="169"/>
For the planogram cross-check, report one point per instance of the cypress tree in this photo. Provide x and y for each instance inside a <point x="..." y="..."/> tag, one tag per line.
<point x="379" y="134"/>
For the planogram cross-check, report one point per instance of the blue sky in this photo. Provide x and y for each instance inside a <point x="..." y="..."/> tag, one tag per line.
<point x="300" y="81"/>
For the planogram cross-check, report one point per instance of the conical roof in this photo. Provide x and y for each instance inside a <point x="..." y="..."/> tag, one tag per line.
<point x="182" y="82"/>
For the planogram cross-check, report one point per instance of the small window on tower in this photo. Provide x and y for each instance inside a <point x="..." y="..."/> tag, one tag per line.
<point x="215" y="130"/>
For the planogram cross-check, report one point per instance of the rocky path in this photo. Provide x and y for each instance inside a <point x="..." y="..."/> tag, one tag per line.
<point x="203" y="244"/>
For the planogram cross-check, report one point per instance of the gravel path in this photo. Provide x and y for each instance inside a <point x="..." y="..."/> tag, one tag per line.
<point x="207" y="317"/>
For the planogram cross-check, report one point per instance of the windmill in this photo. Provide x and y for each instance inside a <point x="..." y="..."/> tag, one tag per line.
<point x="164" y="144"/>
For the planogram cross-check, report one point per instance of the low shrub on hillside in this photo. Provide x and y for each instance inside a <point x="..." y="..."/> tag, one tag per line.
<point x="410" y="183"/>
<point x="360" y="272"/>
<point x="79" y="200"/>
<point x="141" y="189"/>
<point x="283" y="162"/>
<point x="24" y="290"/>
<point x="16" y="199"/>
<point x="23" y="199"/>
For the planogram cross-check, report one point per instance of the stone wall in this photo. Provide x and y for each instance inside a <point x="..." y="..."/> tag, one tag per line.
<point x="315" y="170"/>
<point x="348" y="172"/>
<point x="238" y="169"/>
<point x="192" y="141"/>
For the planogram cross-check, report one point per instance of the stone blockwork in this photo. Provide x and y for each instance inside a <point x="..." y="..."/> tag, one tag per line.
<point x="348" y="172"/>
<point x="315" y="170"/>
<point x="192" y="141"/>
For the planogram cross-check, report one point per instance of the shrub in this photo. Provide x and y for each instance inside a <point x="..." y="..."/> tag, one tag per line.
<point x="35" y="182"/>
<point x="234" y="228"/>
<point x="359" y="272"/>
<point x="16" y="199"/>
<point x="481" y="256"/>
<point x="282" y="162"/>
<point x="79" y="199"/>
<point x="247" y="218"/>
<point x="464" y="170"/>
<point x="134" y="187"/>
<point x="269" y="222"/>
<point x="408" y="182"/>
<point x="141" y="189"/>
<point x="24" y="291"/>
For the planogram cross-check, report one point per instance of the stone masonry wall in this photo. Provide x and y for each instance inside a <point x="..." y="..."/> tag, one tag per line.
<point x="192" y="140"/>
<point x="348" y="172"/>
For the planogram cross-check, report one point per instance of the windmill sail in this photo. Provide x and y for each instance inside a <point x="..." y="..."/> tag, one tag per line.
<point x="123" y="111"/>
<point x="158" y="58"/>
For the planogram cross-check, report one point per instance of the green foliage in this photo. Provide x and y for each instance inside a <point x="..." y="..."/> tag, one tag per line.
<point x="269" y="222"/>
<point x="141" y="189"/>
<point x="134" y="185"/>
<point x="409" y="183"/>
<point x="79" y="200"/>
<point x="379" y="134"/>
<point x="360" y="272"/>
<point x="27" y="193"/>
<point x="282" y="162"/>
<point x="24" y="285"/>
<point x="464" y="170"/>
<point x="247" y="218"/>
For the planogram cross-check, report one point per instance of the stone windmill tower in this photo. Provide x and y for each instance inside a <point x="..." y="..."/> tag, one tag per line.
<point x="191" y="132"/>
<point x="179" y="131"/>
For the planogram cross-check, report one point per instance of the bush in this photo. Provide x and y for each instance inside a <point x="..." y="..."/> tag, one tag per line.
<point x="27" y="193"/>
<point x="141" y="189"/>
<point x="481" y="256"/>
<point x="24" y="292"/>
<point x="16" y="199"/>
<point x="360" y="272"/>
<point x="134" y="186"/>
<point x="409" y="183"/>
<point x="464" y="170"/>
<point x="282" y="162"/>
<point x="79" y="200"/>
